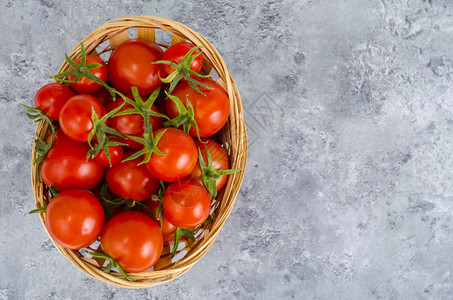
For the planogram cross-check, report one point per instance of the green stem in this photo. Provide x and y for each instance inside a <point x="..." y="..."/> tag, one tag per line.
<point x="53" y="190"/>
<point x="37" y="115"/>
<point x="112" y="264"/>
<point x="179" y="233"/>
<point x="160" y="197"/>
<point x="129" y="204"/>
<point x="38" y="210"/>
<point x="42" y="149"/>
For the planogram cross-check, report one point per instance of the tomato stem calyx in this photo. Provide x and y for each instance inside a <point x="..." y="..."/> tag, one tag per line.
<point x="112" y="263"/>
<point x="149" y="142"/>
<point x="209" y="174"/>
<point x="186" y="116"/>
<point x="42" y="149"/>
<point x="179" y="233"/>
<point x="82" y="69"/>
<point x="140" y="107"/>
<point x="182" y="70"/>
<point x="100" y="129"/>
<point x="37" y="115"/>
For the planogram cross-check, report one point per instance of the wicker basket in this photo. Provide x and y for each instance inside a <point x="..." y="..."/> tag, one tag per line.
<point x="233" y="136"/>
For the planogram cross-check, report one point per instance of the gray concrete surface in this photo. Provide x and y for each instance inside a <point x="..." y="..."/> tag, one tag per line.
<point x="348" y="191"/>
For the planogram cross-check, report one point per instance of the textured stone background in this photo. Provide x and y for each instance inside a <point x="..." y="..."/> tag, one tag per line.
<point x="348" y="190"/>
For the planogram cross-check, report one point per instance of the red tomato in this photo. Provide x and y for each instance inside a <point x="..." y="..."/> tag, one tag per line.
<point x="129" y="181"/>
<point x="220" y="161"/>
<point x="66" y="167"/>
<point x="116" y="155"/>
<point x="131" y="64"/>
<point x="51" y="98"/>
<point x="75" y="116"/>
<point x="211" y="111"/>
<point x="85" y="85"/>
<point x="74" y="219"/>
<point x="186" y="204"/>
<point x="103" y="95"/>
<point x="168" y="229"/>
<point x="131" y="124"/>
<point x="133" y="240"/>
<point x="180" y="159"/>
<point x="176" y="52"/>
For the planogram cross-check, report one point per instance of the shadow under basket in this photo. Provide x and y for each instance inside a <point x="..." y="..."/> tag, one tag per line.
<point x="233" y="136"/>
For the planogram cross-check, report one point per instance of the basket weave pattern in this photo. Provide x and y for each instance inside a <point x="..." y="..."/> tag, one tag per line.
<point x="232" y="136"/>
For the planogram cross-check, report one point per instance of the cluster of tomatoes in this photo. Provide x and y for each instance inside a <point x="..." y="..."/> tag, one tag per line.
<point x="131" y="158"/>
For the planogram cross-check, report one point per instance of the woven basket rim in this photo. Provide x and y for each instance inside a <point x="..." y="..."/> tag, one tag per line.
<point x="234" y="135"/>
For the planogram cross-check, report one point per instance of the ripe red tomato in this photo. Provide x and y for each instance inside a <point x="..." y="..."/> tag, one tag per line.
<point x="129" y="181"/>
<point x="133" y="124"/>
<point x="220" y="161"/>
<point x="116" y="155"/>
<point x="75" y="116"/>
<point x="186" y="204"/>
<point x="51" y="98"/>
<point x="65" y="166"/>
<point x="85" y="85"/>
<point x="211" y="111"/>
<point x="180" y="159"/>
<point x="168" y="229"/>
<point x="131" y="64"/>
<point x="176" y="52"/>
<point x="74" y="219"/>
<point x="133" y="240"/>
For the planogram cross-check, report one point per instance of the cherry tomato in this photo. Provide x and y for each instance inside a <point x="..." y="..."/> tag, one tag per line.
<point x="180" y="159"/>
<point x="66" y="167"/>
<point x="186" y="204"/>
<point x="131" y="64"/>
<point x="116" y="155"/>
<point x="220" y="161"/>
<point x="211" y="111"/>
<point x="51" y="98"/>
<point x="75" y="116"/>
<point x="85" y="85"/>
<point x="176" y="52"/>
<point x="168" y="229"/>
<point x="129" y="181"/>
<point x="133" y="239"/>
<point x="103" y="95"/>
<point x="74" y="219"/>
<point x="131" y="124"/>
